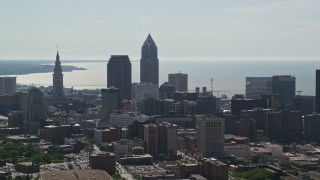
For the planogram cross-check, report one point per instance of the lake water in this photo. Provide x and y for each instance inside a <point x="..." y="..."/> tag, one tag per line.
<point x="228" y="76"/>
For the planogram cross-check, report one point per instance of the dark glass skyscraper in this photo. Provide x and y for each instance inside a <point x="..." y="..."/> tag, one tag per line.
<point x="318" y="90"/>
<point x="119" y="75"/>
<point x="285" y="86"/>
<point x="58" y="93"/>
<point x="149" y="63"/>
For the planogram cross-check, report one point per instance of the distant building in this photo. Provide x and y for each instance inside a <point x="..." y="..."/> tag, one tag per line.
<point x="125" y="147"/>
<point x="179" y="81"/>
<point x="259" y="115"/>
<point x="145" y="90"/>
<point x="58" y="93"/>
<point x="8" y="85"/>
<point x="246" y="126"/>
<point x="167" y="106"/>
<point x="292" y="125"/>
<point x="150" y="139"/>
<point x="57" y="134"/>
<point x="123" y="119"/>
<point x="15" y="119"/>
<point x="275" y="149"/>
<point x="167" y="140"/>
<point x="318" y="90"/>
<point x="312" y="127"/>
<point x="180" y="96"/>
<point x="150" y="107"/>
<point x="256" y="86"/>
<point x="273" y="101"/>
<point x="106" y="135"/>
<point x="24" y="138"/>
<point x="136" y="129"/>
<point x="285" y="86"/>
<point x="238" y="150"/>
<point x="284" y="125"/>
<point x="109" y="101"/>
<point x="190" y="108"/>
<point x="153" y="107"/>
<point x="210" y="136"/>
<point x="182" y="121"/>
<point x="185" y="169"/>
<point x="35" y="111"/>
<point x="11" y="102"/>
<point x="143" y="159"/>
<point x="167" y="91"/>
<point x="305" y="104"/>
<point x="119" y="75"/>
<point x="103" y="161"/>
<point x="230" y="120"/>
<point x="215" y="169"/>
<point x="239" y="103"/>
<point x="207" y="104"/>
<point x="149" y="63"/>
<point x="178" y="107"/>
<point x="90" y="124"/>
<point x="274" y="125"/>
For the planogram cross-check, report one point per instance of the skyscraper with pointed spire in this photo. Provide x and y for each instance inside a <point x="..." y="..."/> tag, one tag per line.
<point x="58" y="93"/>
<point x="149" y="63"/>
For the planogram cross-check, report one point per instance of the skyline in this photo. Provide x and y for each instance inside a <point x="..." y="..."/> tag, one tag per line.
<point x="183" y="30"/>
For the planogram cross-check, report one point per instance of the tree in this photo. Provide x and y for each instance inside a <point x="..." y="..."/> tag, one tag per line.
<point x="254" y="174"/>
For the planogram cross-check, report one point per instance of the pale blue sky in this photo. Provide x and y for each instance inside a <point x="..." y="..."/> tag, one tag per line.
<point x="182" y="29"/>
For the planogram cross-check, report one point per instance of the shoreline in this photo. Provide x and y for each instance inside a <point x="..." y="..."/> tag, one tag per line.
<point x="35" y="69"/>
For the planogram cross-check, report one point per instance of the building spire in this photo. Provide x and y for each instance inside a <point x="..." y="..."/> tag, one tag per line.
<point x="57" y="56"/>
<point x="57" y="66"/>
<point x="149" y="41"/>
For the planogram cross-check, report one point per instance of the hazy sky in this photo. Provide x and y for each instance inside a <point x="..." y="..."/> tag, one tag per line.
<point x="182" y="29"/>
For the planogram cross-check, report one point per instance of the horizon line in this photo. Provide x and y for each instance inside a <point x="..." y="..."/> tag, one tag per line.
<point x="252" y="58"/>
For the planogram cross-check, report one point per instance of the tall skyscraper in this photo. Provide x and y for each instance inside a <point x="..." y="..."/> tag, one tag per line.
<point x="179" y="81"/>
<point x="285" y="86"/>
<point x="210" y="136"/>
<point x="119" y="75"/>
<point x="149" y="63"/>
<point x="58" y="93"/>
<point x="167" y="140"/>
<point x="8" y="85"/>
<point x="256" y="86"/>
<point x="109" y="101"/>
<point x="318" y="90"/>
